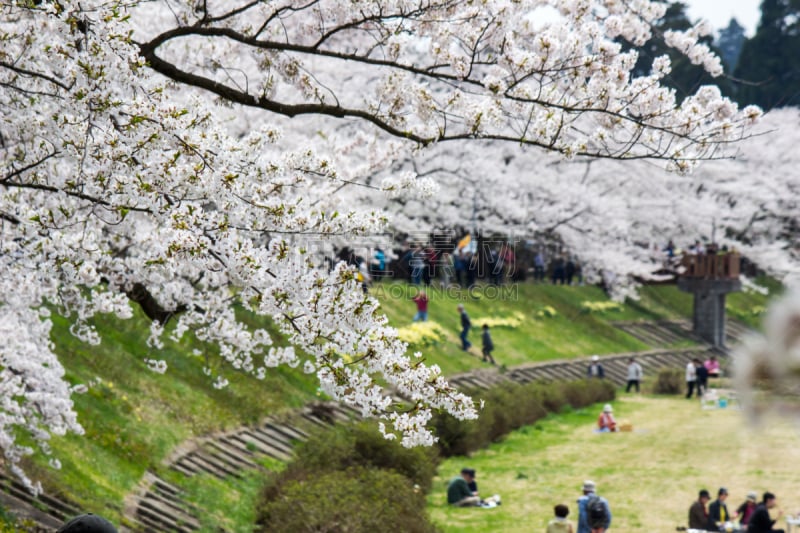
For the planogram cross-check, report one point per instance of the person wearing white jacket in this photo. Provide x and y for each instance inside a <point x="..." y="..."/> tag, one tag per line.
<point x="635" y="374"/>
<point x="691" y="379"/>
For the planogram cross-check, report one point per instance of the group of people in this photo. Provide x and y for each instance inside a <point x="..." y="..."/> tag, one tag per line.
<point x="486" y="337"/>
<point x="634" y="376"/>
<point x="751" y="516"/>
<point x="697" y="375"/>
<point x="564" y="269"/>
<point x="594" y="513"/>
<point x="695" y="248"/>
<point x="461" y="265"/>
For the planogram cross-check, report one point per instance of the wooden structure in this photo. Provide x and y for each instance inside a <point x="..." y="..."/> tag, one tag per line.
<point x="710" y="277"/>
<point x="714" y="266"/>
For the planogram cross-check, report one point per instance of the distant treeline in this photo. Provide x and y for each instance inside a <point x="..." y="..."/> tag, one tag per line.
<point x="763" y="70"/>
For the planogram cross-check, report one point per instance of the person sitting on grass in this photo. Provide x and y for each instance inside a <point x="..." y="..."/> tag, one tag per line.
<point x="606" y="422"/>
<point x="488" y="346"/>
<point x="762" y="521"/>
<point x="746" y="510"/>
<point x="458" y="491"/>
<point x="560" y="524"/>
<point x="718" y="511"/>
<point x="698" y="514"/>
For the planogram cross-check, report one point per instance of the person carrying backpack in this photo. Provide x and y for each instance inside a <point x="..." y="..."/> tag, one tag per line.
<point x="594" y="514"/>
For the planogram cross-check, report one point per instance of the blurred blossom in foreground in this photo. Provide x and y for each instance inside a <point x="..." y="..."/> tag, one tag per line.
<point x="766" y="367"/>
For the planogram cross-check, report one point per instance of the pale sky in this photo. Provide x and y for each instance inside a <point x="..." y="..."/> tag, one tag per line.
<point x="719" y="12"/>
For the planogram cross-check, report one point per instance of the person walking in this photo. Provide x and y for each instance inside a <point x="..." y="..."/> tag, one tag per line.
<point x="465" y="325"/>
<point x="594" y="513"/>
<point x="691" y="379"/>
<point x="488" y="346"/>
<point x="635" y="374"/>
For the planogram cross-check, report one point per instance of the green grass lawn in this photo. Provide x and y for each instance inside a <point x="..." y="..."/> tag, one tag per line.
<point x="650" y="476"/>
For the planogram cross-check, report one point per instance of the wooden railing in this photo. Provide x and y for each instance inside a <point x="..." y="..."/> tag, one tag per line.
<point x="715" y="266"/>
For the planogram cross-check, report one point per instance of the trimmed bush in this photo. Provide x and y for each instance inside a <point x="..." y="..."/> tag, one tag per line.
<point x="669" y="381"/>
<point x="511" y="406"/>
<point x="361" y="444"/>
<point x="356" y="500"/>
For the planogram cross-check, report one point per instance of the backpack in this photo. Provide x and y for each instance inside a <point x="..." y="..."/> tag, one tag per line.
<point x="596" y="513"/>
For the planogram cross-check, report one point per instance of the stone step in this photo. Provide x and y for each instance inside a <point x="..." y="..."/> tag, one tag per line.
<point x="232" y="455"/>
<point x="176" y="509"/>
<point x="186" y="471"/>
<point x="158" y="516"/>
<point x="292" y="432"/>
<point x="273" y="438"/>
<point x="209" y="465"/>
<point x="271" y="447"/>
<point x="166" y="488"/>
<point x="264" y="448"/>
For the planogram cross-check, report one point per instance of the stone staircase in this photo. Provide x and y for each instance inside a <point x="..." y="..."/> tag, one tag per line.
<point x="615" y="367"/>
<point x="662" y="333"/>
<point x="159" y="506"/>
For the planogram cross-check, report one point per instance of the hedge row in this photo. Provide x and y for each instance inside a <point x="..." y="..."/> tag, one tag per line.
<point x="351" y="479"/>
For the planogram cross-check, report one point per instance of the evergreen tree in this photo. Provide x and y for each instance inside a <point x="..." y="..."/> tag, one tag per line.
<point x="770" y="61"/>
<point x="685" y="77"/>
<point x="730" y="42"/>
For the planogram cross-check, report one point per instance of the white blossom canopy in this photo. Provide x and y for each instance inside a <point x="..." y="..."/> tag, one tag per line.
<point x="615" y="216"/>
<point x="132" y="171"/>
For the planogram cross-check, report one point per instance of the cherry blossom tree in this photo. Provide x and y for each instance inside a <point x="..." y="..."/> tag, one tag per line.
<point x="610" y="213"/>
<point x="186" y="157"/>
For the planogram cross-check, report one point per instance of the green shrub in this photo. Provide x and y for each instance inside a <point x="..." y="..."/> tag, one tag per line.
<point x="355" y="500"/>
<point x="669" y="381"/>
<point x="361" y="444"/>
<point x="511" y="406"/>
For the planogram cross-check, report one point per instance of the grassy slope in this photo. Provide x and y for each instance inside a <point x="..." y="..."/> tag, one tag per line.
<point x="570" y="333"/>
<point x="545" y="464"/>
<point x="134" y="418"/>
